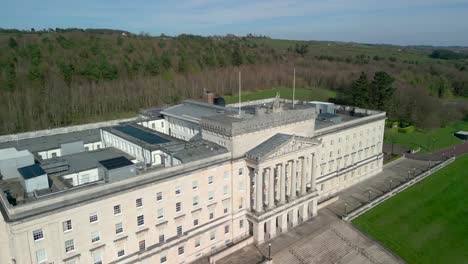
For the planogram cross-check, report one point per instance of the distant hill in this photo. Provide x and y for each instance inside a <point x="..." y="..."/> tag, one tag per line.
<point x="58" y="77"/>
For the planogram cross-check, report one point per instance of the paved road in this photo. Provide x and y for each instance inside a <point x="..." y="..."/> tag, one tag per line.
<point x="393" y="174"/>
<point x="457" y="150"/>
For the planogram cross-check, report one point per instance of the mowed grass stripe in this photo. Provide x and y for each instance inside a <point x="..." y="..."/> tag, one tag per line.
<point x="427" y="223"/>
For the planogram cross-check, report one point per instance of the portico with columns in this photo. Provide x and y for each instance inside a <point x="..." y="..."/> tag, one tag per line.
<point x="282" y="172"/>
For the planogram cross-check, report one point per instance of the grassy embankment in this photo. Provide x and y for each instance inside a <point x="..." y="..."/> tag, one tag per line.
<point x="426" y="223"/>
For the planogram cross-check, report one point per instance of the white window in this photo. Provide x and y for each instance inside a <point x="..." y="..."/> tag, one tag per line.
<point x="241" y="171"/>
<point x="117" y="209"/>
<point x="210" y="180"/>
<point x="225" y="189"/>
<point x="159" y="196"/>
<point x="226" y="175"/>
<point x="67" y="226"/>
<point x="38" y="235"/>
<point x="195" y="201"/>
<point x="142" y="245"/>
<point x="241" y="185"/>
<point x="210" y="195"/>
<point x="41" y="256"/>
<point x="139" y="202"/>
<point x="95" y="237"/>
<point x="195" y="185"/>
<point x="97" y="257"/>
<point x="197" y="242"/>
<point x="93" y="217"/>
<point x="160" y="213"/>
<point x="118" y="228"/>
<point x="241" y="223"/>
<point x="178" y="206"/>
<point x="226" y="229"/>
<point x="163" y="258"/>
<point x="181" y="250"/>
<point x="211" y="216"/>
<point x="140" y="220"/>
<point x="213" y="235"/>
<point x="161" y="238"/>
<point x="241" y="202"/>
<point x="121" y="253"/>
<point x="195" y="222"/>
<point x="69" y="246"/>
<point x="179" y="230"/>
<point x="178" y="190"/>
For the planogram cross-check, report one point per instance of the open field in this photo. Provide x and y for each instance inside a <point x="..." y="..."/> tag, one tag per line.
<point x="427" y="223"/>
<point x="428" y="140"/>
<point x="309" y="94"/>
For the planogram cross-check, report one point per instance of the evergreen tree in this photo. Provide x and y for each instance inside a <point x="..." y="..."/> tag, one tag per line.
<point x="382" y="90"/>
<point x="237" y="57"/>
<point x="12" y="43"/>
<point x="360" y="91"/>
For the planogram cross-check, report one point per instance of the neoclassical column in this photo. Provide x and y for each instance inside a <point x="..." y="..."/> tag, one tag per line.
<point x="259" y="191"/>
<point x="303" y="176"/>
<point x="293" y="179"/>
<point x="282" y="175"/>
<point x="247" y="191"/>
<point x="271" y="188"/>
<point x="313" y="173"/>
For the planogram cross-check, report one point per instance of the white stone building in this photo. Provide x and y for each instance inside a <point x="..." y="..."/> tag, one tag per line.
<point x="254" y="174"/>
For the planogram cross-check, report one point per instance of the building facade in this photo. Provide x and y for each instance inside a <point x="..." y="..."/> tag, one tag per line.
<point x="257" y="173"/>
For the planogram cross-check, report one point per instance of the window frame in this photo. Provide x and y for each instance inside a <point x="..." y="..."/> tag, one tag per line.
<point x="39" y="231"/>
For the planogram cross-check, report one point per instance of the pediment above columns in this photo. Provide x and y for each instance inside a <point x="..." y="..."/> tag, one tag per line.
<point x="280" y="145"/>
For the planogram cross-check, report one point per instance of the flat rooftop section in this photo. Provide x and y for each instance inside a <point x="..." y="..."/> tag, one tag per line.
<point x="193" y="111"/>
<point x="115" y="163"/>
<point x="11" y="153"/>
<point x="85" y="160"/>
<point x="194" y="150"/>
<point x="150" y="138"/>
<point x="38" y="144"/>
<point x="142" y="136"/>
<point x="153" y="113"/>
<point x="31" y="171"/>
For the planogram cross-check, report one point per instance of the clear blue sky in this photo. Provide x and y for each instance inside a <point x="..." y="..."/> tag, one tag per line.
<point x="433" y="22"/>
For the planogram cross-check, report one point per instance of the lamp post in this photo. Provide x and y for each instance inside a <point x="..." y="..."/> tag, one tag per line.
<point x="269" y="251"/>
<point x="370" y="192"/>
<point x="407" y="179"/>
<point x="346" y="209"/>
<point x="391" y="184"/>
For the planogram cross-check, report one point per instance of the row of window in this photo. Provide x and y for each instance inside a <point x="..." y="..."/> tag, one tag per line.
<point x="41" y="254"/>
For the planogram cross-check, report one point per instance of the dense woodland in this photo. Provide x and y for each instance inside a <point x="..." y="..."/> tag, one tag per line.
<point x="60" y="77"/>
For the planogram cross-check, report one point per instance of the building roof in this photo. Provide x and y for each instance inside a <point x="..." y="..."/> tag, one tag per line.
<point x="84" y="160"/>
<point x="38" y="144"/>
<point x="269" y="145"/>
<point x="146" y="136"/>
<point x="31" y="171"/>
<point x="193" y="111"/>
<point x="195" y="150"/>
<point x="11" y="153"/>
<point x="142" y="136"/>
<point x="116" y="163"/>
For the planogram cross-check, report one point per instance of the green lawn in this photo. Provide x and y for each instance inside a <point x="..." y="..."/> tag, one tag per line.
<point x="309" y="94"/>
<point x="427" y="223"/>
<point x="428" y="140"/>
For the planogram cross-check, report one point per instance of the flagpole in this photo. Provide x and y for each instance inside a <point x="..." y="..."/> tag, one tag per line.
<point x="240" y="93"/>
<point x="294" y="87"/>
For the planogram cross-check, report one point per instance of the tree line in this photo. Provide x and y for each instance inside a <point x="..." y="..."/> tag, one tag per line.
<point x="58" y="78"/>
